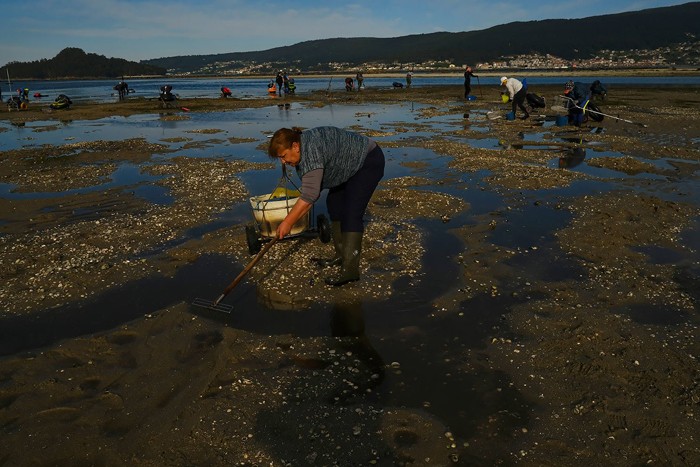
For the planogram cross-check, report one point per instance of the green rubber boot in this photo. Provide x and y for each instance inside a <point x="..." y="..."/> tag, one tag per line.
<point x="337" y="237"/>
<point x="350" y="268"/>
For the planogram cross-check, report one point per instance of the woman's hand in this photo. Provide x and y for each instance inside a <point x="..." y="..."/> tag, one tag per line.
<point x="284" y="228"/>
<point x="300" y="208"/>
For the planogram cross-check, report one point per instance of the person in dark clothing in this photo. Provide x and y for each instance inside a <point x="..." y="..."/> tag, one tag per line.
<point x="598" y="90"/>
<point x="360" y="79"/>
<point x="468" y="81"/>
<point x="350" y="166"/>
<point x="285" y="81"/>
<point x="349" y="84"/>
<point x="166" y="92"/>
<point x="122" y="89"/>
<point x="578" y="96"/>
<point x="280" y="83"/>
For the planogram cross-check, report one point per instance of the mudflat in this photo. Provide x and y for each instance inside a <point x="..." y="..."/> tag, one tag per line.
<point x="533" y="303"/>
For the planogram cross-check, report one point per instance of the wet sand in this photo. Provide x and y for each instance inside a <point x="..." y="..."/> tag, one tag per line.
<point x="477" y="336"/>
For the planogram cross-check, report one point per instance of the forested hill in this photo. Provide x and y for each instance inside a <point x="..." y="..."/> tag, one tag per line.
<point x="75" y="63"/>
<point x="565" y="38"/>
<point x="574" y="39"/>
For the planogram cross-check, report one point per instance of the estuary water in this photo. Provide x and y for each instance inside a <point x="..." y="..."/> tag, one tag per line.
<point x="246" y="88"/>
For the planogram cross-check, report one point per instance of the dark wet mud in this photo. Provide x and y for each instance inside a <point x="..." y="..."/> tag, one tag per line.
<point x="529" y="291"/>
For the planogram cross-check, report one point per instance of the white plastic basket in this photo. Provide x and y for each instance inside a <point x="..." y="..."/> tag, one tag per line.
<point x="270" y="211"/>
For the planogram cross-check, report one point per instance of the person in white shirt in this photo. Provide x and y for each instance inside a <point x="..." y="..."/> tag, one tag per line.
<point x="517" y="92"/>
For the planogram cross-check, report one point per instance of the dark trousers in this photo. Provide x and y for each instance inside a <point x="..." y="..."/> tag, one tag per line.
<point x="519" y="99"/>
<point x="467" y="89"/>
<point x="348" y="202"/>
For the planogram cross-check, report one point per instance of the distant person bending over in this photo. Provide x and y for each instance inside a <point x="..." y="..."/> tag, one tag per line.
<point x="598" y="90"/>
<point x="350" y="166"/>
<point x="468" y="81"/>
<point x="122" y="89"/>
<point x="517" y="91"/>
<point x="349" y="84"/>
<point x="578" y="96"/>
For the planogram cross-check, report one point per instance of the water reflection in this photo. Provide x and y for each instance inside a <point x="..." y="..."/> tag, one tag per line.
<point x="126" y="175"/>
<point x="571" y="158"/>
<point x="276" y="300"/>
<point x="348" y="320"/>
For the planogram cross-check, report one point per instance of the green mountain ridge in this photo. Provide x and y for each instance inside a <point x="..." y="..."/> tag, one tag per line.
<point x="569" y="39"/>
<point x="565" y="38"/>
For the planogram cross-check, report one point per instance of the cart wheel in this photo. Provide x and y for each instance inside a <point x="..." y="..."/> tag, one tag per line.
<point x="324" y="228"/>
<point x="251" y="236"/>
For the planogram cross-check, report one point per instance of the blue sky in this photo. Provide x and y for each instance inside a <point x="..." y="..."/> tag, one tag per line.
<point x="143" y="29"/>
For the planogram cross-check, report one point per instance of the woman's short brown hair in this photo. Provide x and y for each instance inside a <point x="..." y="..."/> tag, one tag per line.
<point x="283" y="139"/>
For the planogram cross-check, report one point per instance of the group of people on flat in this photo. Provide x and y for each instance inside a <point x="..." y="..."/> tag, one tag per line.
<point x="18" y="102"/>
<point x="21" y="100"/>
<point x="122" y="89"/>
<point x="514" y="88"/>
<point x="350" y="83"/>
<point x="282" y="84"/>
<point x="350" y="166"/>
<point x="577" y="96"/>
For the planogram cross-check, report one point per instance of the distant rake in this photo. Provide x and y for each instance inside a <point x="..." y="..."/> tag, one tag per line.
<point x="563" y="109"/>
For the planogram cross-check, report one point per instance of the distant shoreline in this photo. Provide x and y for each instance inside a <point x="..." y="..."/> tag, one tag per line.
<point x="402" y="73"/>
<point x="459" y="72"/>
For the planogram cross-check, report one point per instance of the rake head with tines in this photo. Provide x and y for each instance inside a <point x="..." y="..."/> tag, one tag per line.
<point x="216" y="305"/>
<point x="213" y="305"/>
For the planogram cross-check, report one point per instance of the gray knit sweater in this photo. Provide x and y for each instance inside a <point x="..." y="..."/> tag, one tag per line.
<point x="340" y="153"/>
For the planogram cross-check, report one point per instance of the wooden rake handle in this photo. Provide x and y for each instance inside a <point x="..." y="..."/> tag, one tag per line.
<point x="245" y="270"/>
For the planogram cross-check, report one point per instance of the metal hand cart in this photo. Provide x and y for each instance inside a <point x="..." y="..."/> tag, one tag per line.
<point x="270" y="209"/>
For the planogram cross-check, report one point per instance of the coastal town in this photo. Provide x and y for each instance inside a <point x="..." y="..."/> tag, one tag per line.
<point x="685" y="55"/>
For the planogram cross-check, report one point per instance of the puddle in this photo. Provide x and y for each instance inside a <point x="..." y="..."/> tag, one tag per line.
<point x="527" y="228"/>
<point x="650" y="314"/>
<point x="126" y="175"/>
<point x="244" y="123"/>
<point x="569" y="159"/>
<point x="484" y="143"/>
<point x="206" y="277"/>
<point x="661" y="255"/>
<point x="402" y="329"/>
<point x="406" y="339"/>
<point x="237" y="135"/>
